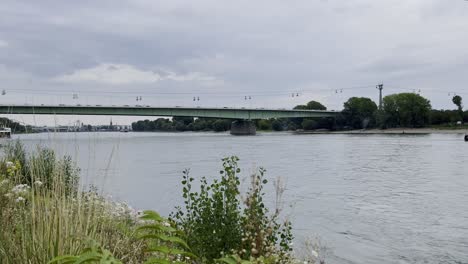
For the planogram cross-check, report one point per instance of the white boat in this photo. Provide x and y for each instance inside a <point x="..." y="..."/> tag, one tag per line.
<point x="5" y="132"/>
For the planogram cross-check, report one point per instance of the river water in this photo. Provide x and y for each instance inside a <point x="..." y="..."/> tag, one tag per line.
<point x="368" y="198"/>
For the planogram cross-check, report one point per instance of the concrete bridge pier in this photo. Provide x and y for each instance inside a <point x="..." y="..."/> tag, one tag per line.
<point x="243" y="128"/>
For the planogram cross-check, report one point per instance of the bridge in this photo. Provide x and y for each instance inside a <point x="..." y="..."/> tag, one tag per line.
<point x="242" y="124"/>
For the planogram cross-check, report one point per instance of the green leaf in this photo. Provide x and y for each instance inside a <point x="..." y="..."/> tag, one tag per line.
<point x="63" y="259"/>
<point x="157" y="227"/>
<point x="158" y="261"/>
<point x="151" y="215"/>
<point x="228" y="260"/>
<point x="162" y="237"/>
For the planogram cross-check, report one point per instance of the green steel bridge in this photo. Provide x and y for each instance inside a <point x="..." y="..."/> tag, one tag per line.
<point x="241" y="115"/>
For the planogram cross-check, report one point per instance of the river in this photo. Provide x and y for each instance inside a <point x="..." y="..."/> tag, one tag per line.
<point x="369" y="198"/>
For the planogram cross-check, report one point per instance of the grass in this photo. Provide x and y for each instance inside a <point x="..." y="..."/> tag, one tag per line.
<point x="46" y="217"/>
<point x="44" y="214"/>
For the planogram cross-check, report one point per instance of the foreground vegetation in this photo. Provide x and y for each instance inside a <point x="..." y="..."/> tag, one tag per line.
<point x="47" y="218"/>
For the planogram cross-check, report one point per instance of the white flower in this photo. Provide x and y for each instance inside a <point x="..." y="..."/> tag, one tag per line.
<point x="20" y="199"/>
<point x="166" y="224"/>
<point x="8" y="195"/>
<point x="3" y="182"/>
<point x="38" y="183"/>
<point x="21" y="188"/>
<point x="9" y="164"/>
<point x="315" y="254"/>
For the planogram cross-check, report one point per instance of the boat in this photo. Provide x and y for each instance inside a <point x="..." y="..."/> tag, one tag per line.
<point x="5" y="135"/>
<point x="5" y="132"/>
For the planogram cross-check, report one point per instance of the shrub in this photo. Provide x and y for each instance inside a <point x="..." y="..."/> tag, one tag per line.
<point x="264" y="124"/>
<point x="277" y="125"/>
<point x="309" y="124"/>
<point x="217" y="223"/>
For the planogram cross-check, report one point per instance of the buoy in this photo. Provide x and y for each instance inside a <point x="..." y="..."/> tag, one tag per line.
<point x="466" y="137"/>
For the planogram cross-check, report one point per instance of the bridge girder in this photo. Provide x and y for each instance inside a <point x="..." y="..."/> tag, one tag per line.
<point x="227" y="113"/>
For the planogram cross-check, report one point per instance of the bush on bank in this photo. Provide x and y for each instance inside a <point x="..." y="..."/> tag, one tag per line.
<point x="216" y="224"/>
<point x="47" y="218"/>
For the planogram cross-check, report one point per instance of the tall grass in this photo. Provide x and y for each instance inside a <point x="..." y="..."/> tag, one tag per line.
<point x="45" y="214"/>
<point x="46" y="217"/>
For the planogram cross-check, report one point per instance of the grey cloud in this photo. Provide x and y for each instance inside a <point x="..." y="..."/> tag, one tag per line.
<point x="252" y="47"/>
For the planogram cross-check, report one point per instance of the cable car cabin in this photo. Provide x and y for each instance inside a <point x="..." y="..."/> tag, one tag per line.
<point x="5" y="132"/>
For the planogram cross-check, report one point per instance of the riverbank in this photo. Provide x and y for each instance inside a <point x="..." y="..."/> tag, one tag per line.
<point x="416" y="131"/>
<point x="48" y="217"/>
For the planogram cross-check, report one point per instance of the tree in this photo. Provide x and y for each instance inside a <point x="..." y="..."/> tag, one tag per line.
<point x="15" y="126"/>
<point x="359" y="112"/>
<point x="264" y="124"/>
<point x="183" y="119"/>
<point x="457" y="100"/>
<point x="300" y="107"/>
<point x="309" y="124"/>
<point x="312" y="105"/>
<point x="277" y="125"/>
<point x="221" y="125"/>
<point x="406" y="110"/>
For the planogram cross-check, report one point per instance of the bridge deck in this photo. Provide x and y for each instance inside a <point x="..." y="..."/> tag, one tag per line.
<point x="229" y="113"/>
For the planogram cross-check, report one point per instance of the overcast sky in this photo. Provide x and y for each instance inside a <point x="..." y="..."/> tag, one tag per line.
<point x="109" y="52"/>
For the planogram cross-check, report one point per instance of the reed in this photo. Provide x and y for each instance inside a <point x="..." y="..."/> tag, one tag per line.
<point x="44" y="213"/>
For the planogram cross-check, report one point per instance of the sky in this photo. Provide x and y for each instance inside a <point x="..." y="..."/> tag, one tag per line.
<point x="168" y="52"/>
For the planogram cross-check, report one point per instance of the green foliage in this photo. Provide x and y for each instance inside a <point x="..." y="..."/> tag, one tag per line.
<point x="183" y="124"/>
<point x="51" y="220"/>
<point x="235" y="259"/>
<point x="44" y="215"/>
<point x="406" y="110"/>
<point x="278" y="125"/>
<point x="92" y="254"/>
<point x="445" y="117"/>
<point x="457" y="100"/>
<point x="15" y="126"/>
<point x="264" y="124"/>
<point x="309" y="124"/>
<point x="43" y="166"/>
<point x="216" y="224"/>
<point x="212" y="216"/>
<point x="359" y="112"/>
<point x="221" y="125"/>
<point x="312" y="105"/>
<point x="262" y="232"/>
<point x="163" y="241"/>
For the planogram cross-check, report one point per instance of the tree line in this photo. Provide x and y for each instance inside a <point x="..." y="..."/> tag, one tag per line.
<point x="15" y="126"/>
<point x="398" y="110"/>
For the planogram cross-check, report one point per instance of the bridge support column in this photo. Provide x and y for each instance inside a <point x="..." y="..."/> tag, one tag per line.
<point x="243" y="128"/>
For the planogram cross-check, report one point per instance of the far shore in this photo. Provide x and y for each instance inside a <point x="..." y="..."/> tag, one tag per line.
<point x="390" y="131"/>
